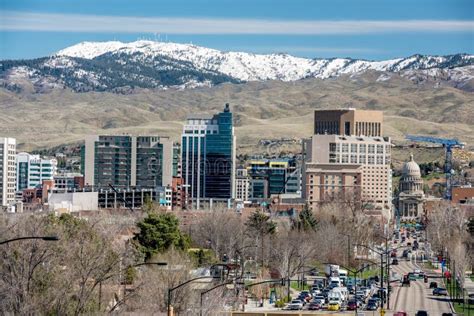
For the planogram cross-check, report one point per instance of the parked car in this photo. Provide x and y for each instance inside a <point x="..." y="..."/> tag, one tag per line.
<point x="400" y="314"/>
<point x="440" y="291"/>
<point x="433" y="285"/>
<point x="405" y="253"/>
<point x="395" y="262"/>
<point x="447" y="314"/>
<point x="393" y="254"/>
<point x="421" y="313"/>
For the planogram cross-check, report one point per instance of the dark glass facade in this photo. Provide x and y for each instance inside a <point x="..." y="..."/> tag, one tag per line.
<point x="208" y="156"/>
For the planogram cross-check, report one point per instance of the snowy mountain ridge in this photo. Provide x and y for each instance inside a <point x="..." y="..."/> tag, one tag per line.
<point x="258" y="67"/>
<point x="123" y="67"/>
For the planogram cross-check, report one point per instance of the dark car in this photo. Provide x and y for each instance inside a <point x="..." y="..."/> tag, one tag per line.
<point x="352" y="305"/>
<point x="395" y="262"/>
<point x="314" y="306"/>
<point x="440" y="291"/>
<point x="421" y="313"/>
<point x="406" y="282"/>
<point x="405" y="253"/>
<point x="408" y="244"/>
<point x="447" y="314"/>
<point x="372" y="305"/>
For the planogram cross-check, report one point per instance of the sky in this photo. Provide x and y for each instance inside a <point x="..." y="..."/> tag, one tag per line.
<point x="368" y="29"/>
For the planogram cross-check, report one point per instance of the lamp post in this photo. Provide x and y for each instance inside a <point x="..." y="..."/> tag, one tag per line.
<point x="170" y="290"/>
<point x="124" y="283"/>
<point x="381" y="265"/>
<point x="45" y="238"/>
<point x="348" y="249"/>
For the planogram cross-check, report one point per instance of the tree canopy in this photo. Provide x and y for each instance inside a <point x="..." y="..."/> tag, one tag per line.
<point x="158" y="233"/>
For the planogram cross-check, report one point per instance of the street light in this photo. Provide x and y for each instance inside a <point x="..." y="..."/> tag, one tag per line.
<point x="124" y="283"/>
<point x="381" y="268"/>
<point x="170" y="290"/>
<point x="45" y="238"/>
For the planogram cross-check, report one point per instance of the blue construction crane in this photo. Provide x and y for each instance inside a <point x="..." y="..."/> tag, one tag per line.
<point x="448" y="145"/>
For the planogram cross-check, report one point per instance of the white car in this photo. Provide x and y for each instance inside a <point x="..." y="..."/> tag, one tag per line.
<point x="295" y="305"/>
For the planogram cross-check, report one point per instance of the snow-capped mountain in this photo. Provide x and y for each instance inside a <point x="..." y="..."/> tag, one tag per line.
<point x="108" y="66"/>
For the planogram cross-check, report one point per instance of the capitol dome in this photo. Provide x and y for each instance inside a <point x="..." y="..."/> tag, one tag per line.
<point x="411" y="181"/>
<point x="411" y="168"/>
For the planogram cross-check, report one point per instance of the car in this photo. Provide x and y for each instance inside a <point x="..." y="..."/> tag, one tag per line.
<point x="333" y="306"/>
<point x="447" y="314"/>
<point x="440" y="291"/>
<point x="352" y="305"/>
<point x="408" y="244"/>
<point x="395" y="262"/>
<point x="405" y="253"/>
<point x="377" y="300"/>
<point x="393" y="254"/>
<point x="371" y="306"/>
<point x="401" y="313"/>
<point x="406" y="282"/>
<point x="421" y="313"/>
<point x="295" y="305"/>
<point x="313" y="306"/>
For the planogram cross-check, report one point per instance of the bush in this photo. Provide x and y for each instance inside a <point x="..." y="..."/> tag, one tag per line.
<point x="280" y="304"/>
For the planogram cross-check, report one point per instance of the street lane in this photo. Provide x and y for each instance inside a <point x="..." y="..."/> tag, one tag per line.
<point x="418" y="296"/>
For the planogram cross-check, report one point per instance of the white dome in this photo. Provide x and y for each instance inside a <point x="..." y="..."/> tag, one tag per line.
<point x="411" y="168"/>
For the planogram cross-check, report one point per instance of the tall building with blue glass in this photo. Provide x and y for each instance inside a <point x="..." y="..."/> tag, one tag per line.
<point x="208" y="156"/>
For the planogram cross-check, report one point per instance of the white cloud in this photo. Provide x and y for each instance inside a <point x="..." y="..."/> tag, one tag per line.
<point x="23" y="21"/>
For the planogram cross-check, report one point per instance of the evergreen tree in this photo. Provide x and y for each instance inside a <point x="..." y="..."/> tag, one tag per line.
<point x="158" y="233"/>
<point x="305" y="221"/>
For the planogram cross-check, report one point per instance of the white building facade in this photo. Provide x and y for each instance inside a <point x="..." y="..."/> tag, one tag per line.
<point x="7" y="171"/>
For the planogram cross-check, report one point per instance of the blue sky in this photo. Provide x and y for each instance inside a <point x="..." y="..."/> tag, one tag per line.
<point x="370" y="29"/>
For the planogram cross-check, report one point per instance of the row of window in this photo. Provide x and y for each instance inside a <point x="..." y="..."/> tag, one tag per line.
<point x="358" y="148"/>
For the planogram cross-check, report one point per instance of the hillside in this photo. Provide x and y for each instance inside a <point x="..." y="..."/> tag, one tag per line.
<point x="269" y="109"/>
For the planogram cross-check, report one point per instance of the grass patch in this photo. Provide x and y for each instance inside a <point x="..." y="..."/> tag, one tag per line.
<point x="368" y="273"/>
<point x="294" y="285"/>
<point x="459" y="308"/>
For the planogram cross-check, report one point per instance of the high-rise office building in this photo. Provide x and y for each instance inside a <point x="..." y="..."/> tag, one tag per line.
<point x="7" y="171"/>
<point x="348" y="122"/>
<point x="32" y="170"/>
<point x="208" y="156"/>
<point x="128" y="161"/>
<point x="273" y="176"/>
<point x="348" y="164"/>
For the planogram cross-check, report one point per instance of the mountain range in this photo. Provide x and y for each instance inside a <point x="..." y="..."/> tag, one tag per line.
<point x="126" y="67"/>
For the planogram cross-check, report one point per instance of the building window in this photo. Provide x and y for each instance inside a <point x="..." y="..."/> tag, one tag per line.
<point x="371" y="160"/>
<point x="345" y="158"/>
<point x="332" y="147"/>
<point x="362" y="148"/>
<point x="345" y="148"/>
<point x="362" y="159"/>
<point x="379" y="149"/>
<point x="380" y="160"/>
<point x="371" y="149"/>
<point x="353" y="158"/>
<point x="353" y="148"/>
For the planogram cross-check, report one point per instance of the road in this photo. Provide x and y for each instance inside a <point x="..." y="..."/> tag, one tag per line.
<point x="418" y="296"/>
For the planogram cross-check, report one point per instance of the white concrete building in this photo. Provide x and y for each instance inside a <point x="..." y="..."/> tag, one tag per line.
<point x="242" y="185"/>
<point x="329" y="157"/>
<point x="7" y="171"/>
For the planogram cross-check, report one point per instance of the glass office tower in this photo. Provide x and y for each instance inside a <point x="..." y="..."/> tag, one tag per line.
<point x="208" y="155"/>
